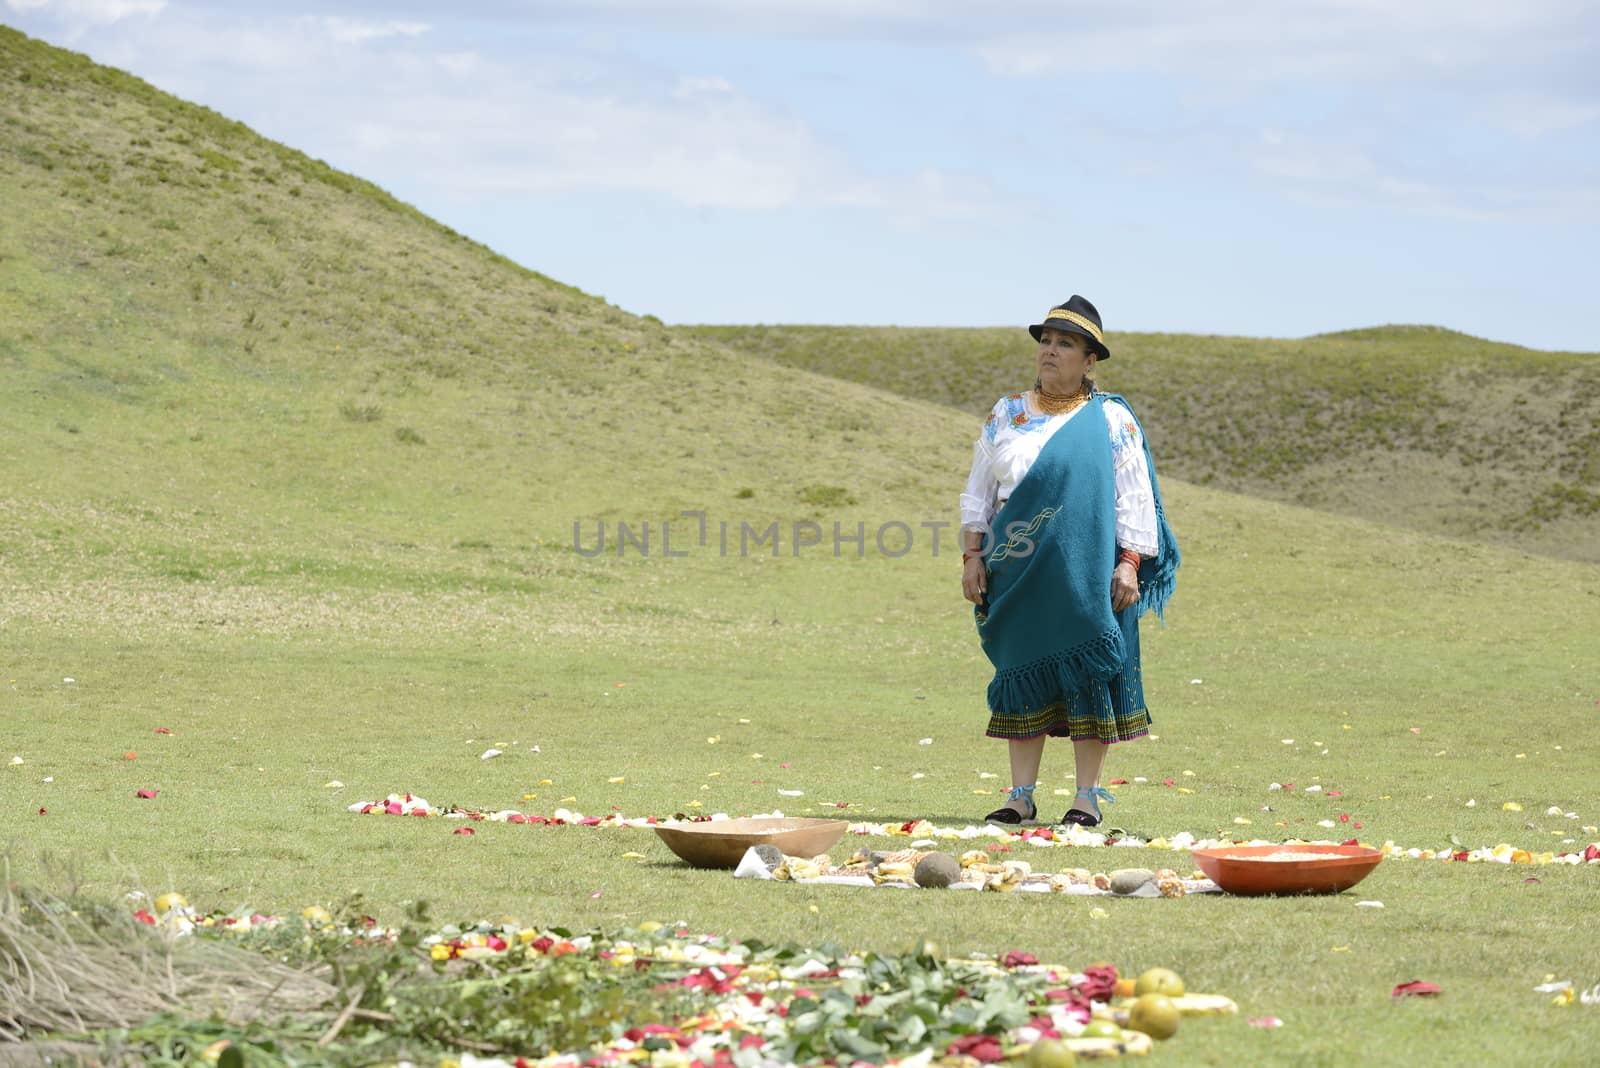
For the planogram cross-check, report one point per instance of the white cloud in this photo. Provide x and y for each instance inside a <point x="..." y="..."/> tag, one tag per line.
<point x="358" y="31"/>
<point x="373" y="98"/>
<point x="1345" y="175"/>
<point x="689" y="85"/>
<point x="1533" y="116"/>
<point x="1260" y="41"/>
<point x="78" y="15"/>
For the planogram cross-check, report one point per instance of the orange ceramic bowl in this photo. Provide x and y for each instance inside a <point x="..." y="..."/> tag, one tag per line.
<point x="720" y="843"/>
<point x="1246" y="870"/>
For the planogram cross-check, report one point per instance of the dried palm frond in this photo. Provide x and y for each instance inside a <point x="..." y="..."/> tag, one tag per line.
<point x="76" y="970"/>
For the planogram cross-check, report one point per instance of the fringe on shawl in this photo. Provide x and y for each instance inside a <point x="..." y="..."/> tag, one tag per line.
<point x="1158" y="576"/>
<point x="1025" y="689"/>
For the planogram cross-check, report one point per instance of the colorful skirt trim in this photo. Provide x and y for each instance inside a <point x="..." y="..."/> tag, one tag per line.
<point x="1108" y="712"/>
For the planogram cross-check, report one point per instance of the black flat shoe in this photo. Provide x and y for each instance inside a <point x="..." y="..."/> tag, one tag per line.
<point x="1010" y="816"/>
<point x="1083" y="817"/>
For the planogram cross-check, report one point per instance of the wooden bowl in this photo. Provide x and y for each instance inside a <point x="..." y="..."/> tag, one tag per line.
<point x="1245" y="870"/>
<point x="720" y="843"/>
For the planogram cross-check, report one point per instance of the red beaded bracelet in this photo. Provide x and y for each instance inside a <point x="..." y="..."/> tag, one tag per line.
<point x="1128" y="556"/>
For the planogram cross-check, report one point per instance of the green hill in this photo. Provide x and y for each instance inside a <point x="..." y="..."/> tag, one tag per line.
<point x="1407" y="425"/>
<point x="203" y="332"/>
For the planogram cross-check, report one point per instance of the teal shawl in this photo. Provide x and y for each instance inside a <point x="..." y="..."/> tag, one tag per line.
<point x="1047" y="624"/>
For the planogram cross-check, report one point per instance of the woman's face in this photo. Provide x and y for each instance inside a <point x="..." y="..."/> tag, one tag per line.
<point x="1064" y="359"/>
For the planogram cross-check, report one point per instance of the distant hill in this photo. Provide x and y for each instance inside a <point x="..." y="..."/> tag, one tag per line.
<point x="1410" y="425"/>
<point x="210" y="340"/>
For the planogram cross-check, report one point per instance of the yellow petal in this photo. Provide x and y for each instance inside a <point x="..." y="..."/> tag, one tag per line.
<point x="1511" y="806"/>
<point x="547" y="782"/>
<point x="616" y="779"/>
<point x="632" y="856"/>
<point x="567" y="800"/>
<point x="1098" y="914"/>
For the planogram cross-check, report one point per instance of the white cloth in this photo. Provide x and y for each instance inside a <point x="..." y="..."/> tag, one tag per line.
<point x="1012" y="437"/>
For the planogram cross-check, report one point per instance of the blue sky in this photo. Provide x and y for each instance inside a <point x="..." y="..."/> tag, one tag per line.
<point x="1251" y="167"/>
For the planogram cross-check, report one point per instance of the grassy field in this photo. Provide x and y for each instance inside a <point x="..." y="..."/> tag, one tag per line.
<point x="1408" y="425"/>
<point x="293" y="473"/>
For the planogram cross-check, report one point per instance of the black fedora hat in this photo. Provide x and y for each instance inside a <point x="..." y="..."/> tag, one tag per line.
<point x="1076" y="316"/>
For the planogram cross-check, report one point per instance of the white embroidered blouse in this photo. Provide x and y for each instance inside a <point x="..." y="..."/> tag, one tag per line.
<point x="1012" y="437"/>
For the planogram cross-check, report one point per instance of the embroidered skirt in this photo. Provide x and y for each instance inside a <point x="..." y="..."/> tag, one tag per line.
<point x="1108" y="711"/>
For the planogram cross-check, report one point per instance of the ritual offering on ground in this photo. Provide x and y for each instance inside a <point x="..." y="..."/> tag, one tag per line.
<point x="1287" y="869"/>
<point x="721" y="843"/>
<point x="975" y="869"/>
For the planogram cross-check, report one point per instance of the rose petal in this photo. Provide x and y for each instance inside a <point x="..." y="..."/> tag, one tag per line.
<point x="146" y="794"/>
<point x="1414" y="989"/>
<point x="1268" y="1022"/>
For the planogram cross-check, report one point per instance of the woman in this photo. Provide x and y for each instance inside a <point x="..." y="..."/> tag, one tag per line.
<point x="1065" y="545"/>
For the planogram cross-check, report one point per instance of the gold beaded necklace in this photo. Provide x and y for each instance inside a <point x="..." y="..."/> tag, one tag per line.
<point x="1061" y="403"/>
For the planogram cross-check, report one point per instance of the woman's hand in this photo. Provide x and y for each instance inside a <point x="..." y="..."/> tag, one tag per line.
<point x="1124" y="587"/>
<point x="974" y="579"/>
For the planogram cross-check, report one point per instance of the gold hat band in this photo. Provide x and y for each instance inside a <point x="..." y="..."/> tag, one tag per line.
<point x="1074" y="317"/>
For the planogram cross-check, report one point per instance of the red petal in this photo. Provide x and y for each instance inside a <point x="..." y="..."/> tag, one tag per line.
<point x="1119" y="782"/>
<point x="163" y="730"/>
<point x="41" y="812"/>
<point x="1413" y="989"/>
<point x="463" y="830"/>
<point x="146" y="794"/>
<point x="144" y="916"/>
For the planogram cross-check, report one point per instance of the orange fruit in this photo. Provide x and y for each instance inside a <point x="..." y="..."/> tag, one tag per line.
<point x="1124" y="988"/>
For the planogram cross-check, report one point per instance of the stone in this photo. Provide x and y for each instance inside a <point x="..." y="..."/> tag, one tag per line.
<point x="1127" y="880"/>
<point x="937" y="871"/>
